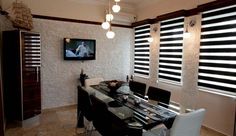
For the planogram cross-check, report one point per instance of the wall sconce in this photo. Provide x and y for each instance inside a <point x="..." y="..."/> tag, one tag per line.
<point x="186" y="32"/>
<point x="150" y="39"/>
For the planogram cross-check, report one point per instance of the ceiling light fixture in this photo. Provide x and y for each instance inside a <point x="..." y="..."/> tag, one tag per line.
<point x="110" y="34"/>
<point x="109" y="17"/>
<point x="116" y="8"/>
<point x="105" y="25"/>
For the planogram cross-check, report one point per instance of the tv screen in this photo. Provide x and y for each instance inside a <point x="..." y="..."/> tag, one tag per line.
<point x="79" y="49"/>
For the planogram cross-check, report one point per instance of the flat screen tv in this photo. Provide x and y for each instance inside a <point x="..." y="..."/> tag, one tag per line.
<point x="79" y="49"/>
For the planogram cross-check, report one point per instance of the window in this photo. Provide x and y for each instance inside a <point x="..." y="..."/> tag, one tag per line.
<point x="141" y="51"/>
<point x="217" y="64"/>
<point x="171" y="46"/>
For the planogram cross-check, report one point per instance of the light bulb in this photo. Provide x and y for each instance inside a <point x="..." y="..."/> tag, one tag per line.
<point x="105" y="25"/>
<point x="116" y="8"/>
<point x="187" y="34"/>
<point x="150" y="39"/>
<point x="110" y="34"/>
<point x="109" y="17"/>
<point x="117" y="0"/>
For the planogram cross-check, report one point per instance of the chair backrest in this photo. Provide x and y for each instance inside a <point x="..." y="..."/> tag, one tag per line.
<point x="159" y="95"/>
<point x="138" y="88"/>
<point x="188" y="124"/>
<point x="102" y="120"/>
<point x="84" y="103"/>
<point x="93" y="81"/>
<point x="108" y="124"/>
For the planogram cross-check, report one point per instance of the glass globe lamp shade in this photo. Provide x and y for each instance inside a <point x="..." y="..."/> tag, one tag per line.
<point x="117" y="0"/>
<point x="116" y="8"/>
<point x="105" y="25"/>
<point x="110" y="34"/>
<point x="150" y="39"/>
<point x="109" y="17"/>
<point x="187" y="34"/>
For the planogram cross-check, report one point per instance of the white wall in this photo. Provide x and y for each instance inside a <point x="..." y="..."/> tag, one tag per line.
<point x="59" y="78"/>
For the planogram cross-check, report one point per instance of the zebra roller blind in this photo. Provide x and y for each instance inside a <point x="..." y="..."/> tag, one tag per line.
<point x="142" y="50"/>
<point x="217" y="64"/>
<point x="171" y="47"/>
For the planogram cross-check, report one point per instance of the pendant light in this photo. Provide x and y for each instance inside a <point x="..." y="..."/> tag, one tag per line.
<point x="116" y="7"/>
<point x="109" y="16"/>
<point x="110" y="34"/>
<point x="105" y="24"/>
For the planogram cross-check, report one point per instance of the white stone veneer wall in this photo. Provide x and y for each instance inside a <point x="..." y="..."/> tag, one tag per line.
<point x="59" y="78"/>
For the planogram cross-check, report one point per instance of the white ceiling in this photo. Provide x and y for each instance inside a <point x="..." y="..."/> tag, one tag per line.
<point x="140" y="3"/>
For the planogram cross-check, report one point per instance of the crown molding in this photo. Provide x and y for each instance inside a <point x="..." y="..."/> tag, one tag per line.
<point x="76" y="21"/>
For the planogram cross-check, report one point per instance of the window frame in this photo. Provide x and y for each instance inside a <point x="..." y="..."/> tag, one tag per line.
<point x="179" y="56"/>
<point x="141" y="63"/>
<point x="207" y="34"/>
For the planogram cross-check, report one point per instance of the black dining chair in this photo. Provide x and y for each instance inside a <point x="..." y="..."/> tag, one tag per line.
<point x="138" y="88"/>
<point x="106" y="123"/>
<point x="159" y="95"/>
<point x="85" y="107"/>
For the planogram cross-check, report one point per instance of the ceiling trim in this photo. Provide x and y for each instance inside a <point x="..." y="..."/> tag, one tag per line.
<point x="76" y="21"/>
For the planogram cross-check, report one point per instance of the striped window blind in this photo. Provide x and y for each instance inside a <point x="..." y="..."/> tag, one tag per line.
<point x="217" y="64"/>
<point x="171" y="46"/>
<point x="142" y="50"/>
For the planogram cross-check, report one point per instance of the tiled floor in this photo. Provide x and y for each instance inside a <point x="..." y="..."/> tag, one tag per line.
<point x="62" y="122"/>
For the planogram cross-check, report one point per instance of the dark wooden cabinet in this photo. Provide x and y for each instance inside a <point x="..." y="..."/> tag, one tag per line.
<point x="21" y="74"/>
